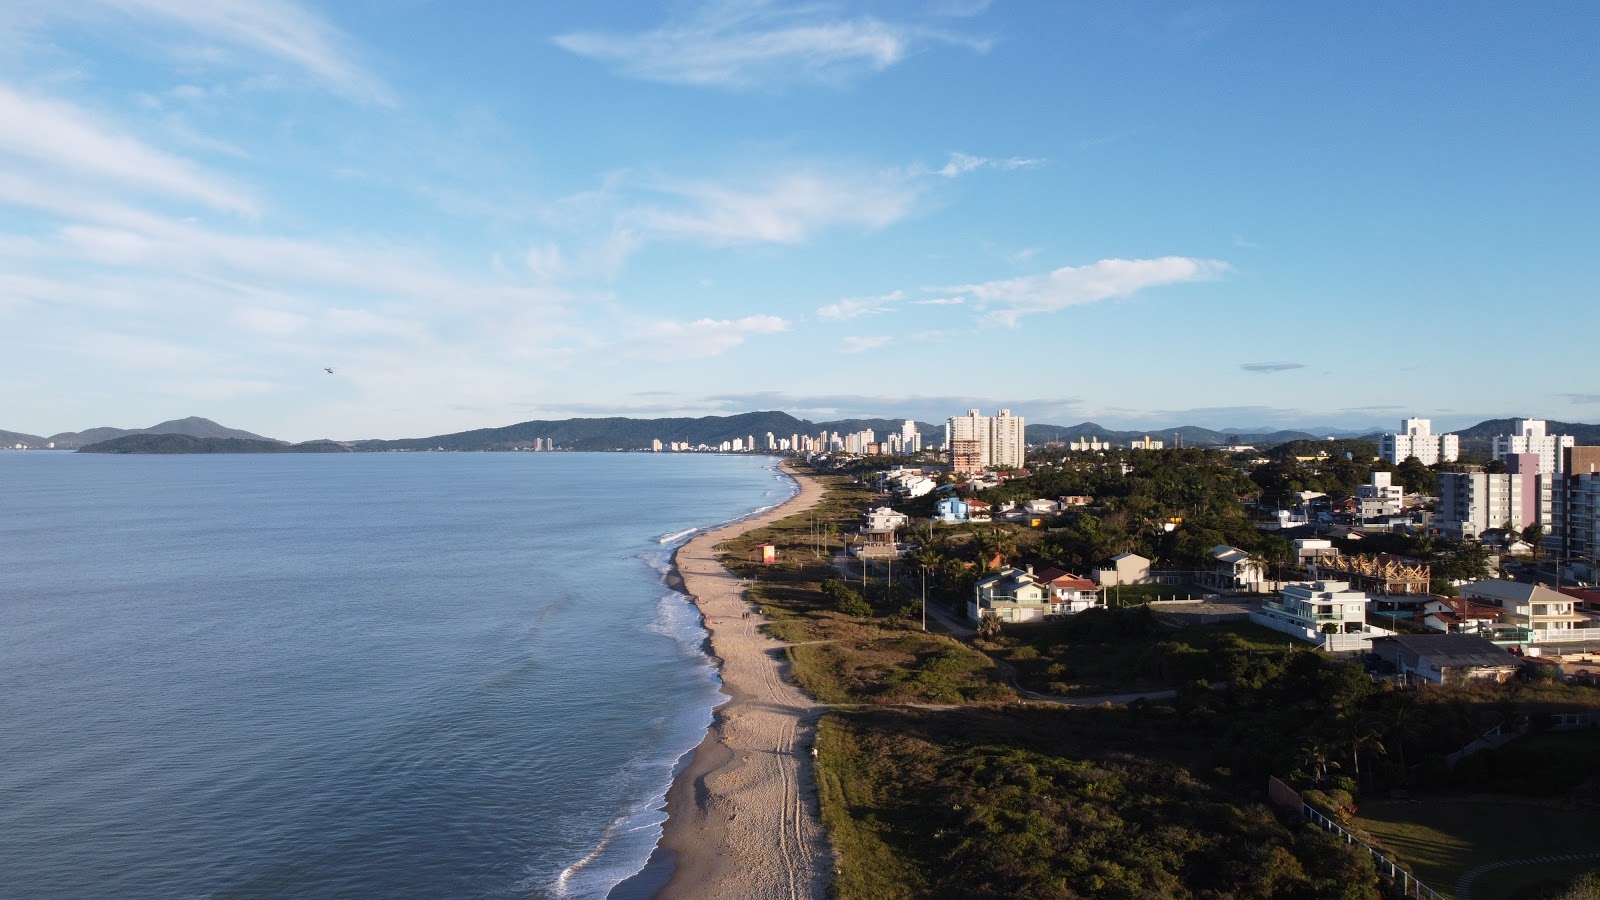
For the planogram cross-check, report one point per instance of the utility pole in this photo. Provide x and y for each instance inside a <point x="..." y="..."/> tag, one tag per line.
<point x="924" y="598"/>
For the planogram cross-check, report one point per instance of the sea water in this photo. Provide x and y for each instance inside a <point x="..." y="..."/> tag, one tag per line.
<point x="398" y="674"/>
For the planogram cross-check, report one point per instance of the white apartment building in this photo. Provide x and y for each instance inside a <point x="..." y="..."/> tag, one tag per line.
<point x="1530" y="437"/>
<point x="977" y="442"/>
<point x="1416" y="438"/>
<point x="1472" y="501"/>
<point x="1380" y="496"/>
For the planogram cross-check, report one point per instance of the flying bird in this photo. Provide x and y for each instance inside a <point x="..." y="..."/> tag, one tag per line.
<point x="328" y="370"/>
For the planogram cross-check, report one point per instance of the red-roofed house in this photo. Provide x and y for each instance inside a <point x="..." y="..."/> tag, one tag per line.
<point x="1458" y="615"/>
<point x="1068" y="592"/>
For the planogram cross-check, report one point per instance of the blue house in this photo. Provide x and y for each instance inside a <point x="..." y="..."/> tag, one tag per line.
<point x="953" y="511"/>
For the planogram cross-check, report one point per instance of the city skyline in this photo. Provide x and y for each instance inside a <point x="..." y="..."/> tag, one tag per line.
<point x="1230" y="215"/>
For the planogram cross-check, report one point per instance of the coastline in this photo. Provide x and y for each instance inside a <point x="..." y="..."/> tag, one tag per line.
<point x="741" y="813"/>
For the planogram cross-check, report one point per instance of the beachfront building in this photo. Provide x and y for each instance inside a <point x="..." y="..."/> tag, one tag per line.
<point x="1416" y="438"/>
<point x="1327" y="614"/>
<point x="977" y="442"/>
<point x="1528" y="436"/>
<point x="1010" y="595"/>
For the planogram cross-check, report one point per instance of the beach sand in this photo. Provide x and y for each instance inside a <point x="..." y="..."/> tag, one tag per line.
<point x="742" y="817"/>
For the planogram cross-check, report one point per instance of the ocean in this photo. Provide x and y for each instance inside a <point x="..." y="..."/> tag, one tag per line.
<point x="398" y="674"/>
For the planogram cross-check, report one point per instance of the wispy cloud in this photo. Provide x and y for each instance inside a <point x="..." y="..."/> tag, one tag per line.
<point x="856" y="307"/>
<point x="940" y="301"/>
<point x="273" y="28"/>
<point x="1268" y="367"/>
<point x="51" y="135"/>
<point x="860" y="344"/>
<point x="669" y="339"/>
<point x="1010" y="299"/>
<point x="785" y="209"/>
<point x="962" y="163"/>
<point x="1583" y="398"/>
<point x="751" y="45"/>
<point x="1241" y="242"/>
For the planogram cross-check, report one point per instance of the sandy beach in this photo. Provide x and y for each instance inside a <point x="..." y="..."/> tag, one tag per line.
<point x="742" y="816"/>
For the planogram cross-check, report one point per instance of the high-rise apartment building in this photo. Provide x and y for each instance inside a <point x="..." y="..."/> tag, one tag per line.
<point x="1416" y="438"/>
<point x="1529" y="437"/>
<point x="977" y="442"/>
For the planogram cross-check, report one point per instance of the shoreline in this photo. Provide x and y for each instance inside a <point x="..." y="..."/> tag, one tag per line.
<point x="741" y="811"/>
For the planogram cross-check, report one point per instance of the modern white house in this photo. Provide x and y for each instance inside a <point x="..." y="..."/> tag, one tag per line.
<point x="1416" y="438"/>
<point x="1327" y="614"/>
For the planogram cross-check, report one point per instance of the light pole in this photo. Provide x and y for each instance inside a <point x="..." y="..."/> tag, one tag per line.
<point x="924" y="598"/>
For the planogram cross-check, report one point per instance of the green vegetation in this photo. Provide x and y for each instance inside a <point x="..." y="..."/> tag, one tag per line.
<point x="183" y="443"/>
<point x="1044" y="803"/>
<point x="1109" y="650"/>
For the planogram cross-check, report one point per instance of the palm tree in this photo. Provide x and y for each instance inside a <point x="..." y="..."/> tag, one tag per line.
<point x="926" y="559"/>
<point x="1318" y="755"/>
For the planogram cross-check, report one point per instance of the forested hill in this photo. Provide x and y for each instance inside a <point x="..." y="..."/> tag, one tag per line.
<point x="636" y="434"/>
<point x="184" y="443"/>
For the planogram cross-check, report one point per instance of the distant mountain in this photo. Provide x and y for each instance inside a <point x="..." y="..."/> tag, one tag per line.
<point x="192" y="426"/>
<point x="1186" y="435"/>
<point x="10" y="439"/>
<point x="1478" y="440"/>
<point x="636" y="434"/>
<point x="173" y="442"/>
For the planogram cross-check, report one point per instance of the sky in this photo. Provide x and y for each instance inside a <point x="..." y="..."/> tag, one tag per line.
<point x="1228" y="214"/>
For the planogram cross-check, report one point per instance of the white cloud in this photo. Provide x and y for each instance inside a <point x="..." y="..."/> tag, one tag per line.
<point x="747" y="45"/>
<point x="275" y="28"/>
<point x="544" y="261"/>
<point x="855" y="307"/>
<point x="859" y="344"/>
<point x="786" y="209"/>
<point x="669" y="339"/>
<point x="1012" y="298"/>
<point x="57" y="136"/>
<point x="940" y="301"/>
<point x="962" y="163"/>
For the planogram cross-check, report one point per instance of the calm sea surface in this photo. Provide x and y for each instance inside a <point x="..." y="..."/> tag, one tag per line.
<point x="429" y="674"/>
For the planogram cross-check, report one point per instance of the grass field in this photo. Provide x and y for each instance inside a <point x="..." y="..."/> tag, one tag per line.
<point x="1440" y="838"/>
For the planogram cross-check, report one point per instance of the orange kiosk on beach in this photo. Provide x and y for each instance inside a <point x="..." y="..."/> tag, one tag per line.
<point x="769" y="554"/>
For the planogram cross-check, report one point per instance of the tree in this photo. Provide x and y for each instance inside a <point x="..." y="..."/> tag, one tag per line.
<point x="1534" y="534"/>
<point x="989" y="627"/>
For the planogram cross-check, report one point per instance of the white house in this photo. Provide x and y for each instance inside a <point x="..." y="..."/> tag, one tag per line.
<point x="1234" y="572"/>
<point x="1325" y="613"/>
<point x="953" y="511"/>
<point x="1380" y="496"/>
<point x="1041" y="507"/>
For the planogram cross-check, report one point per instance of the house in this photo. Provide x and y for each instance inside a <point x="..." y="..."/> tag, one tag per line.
<point x="1233" y="571"/>
<point x="1010" y="595"/>
<point x="979" y="510"/>
<point x="1041" y="507"/>
<point x="1076" y="500"/>
<point x="1458" y="615"/>
<point x="1125" y="568"/>
<point x="1546" y="615"/>
<point x="953" y="511"/>
<point x="1068" y="593"/>
<point x="1311" y="550"/>
<point x="1325" y="613"/>
<point x="1442" y="658"/>
<point x="879" y="536"/>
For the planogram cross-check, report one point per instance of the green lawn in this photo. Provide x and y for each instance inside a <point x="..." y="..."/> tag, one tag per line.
<point x="1442" y="837"/>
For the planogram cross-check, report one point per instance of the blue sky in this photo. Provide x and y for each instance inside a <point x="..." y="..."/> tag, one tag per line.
<point x="1144" y="214"/>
